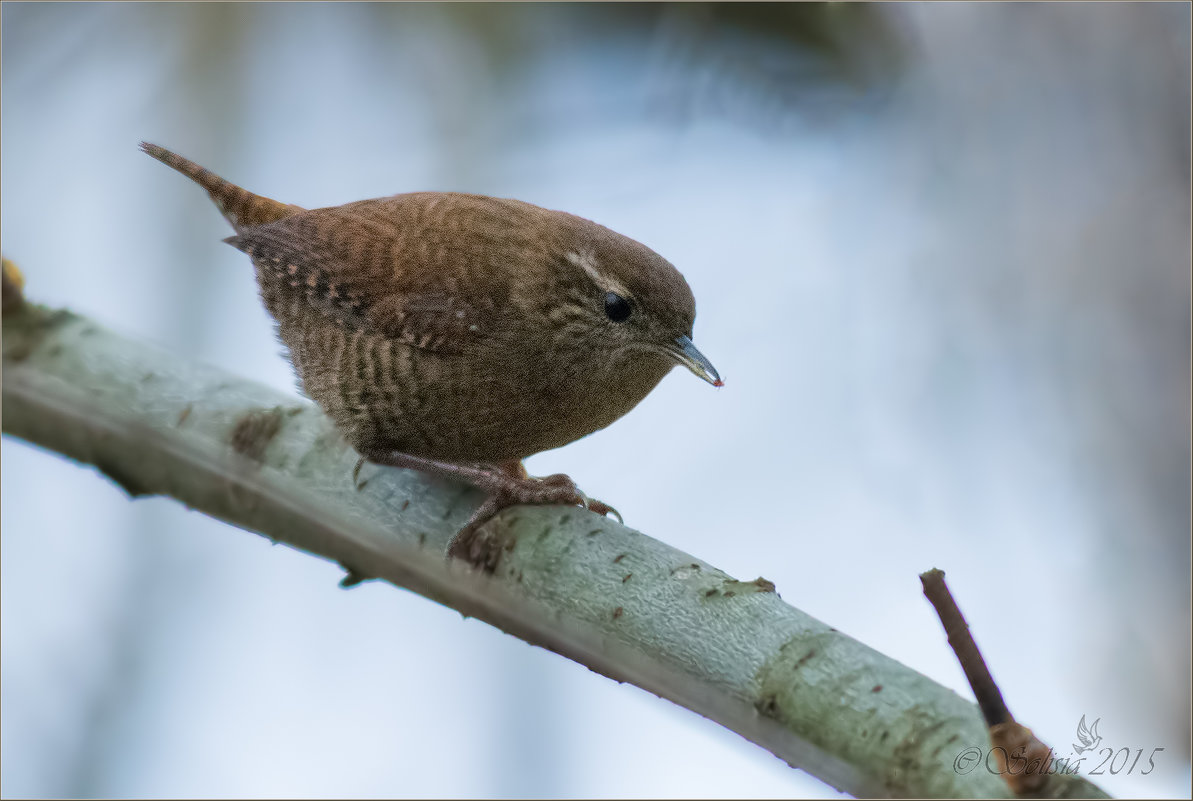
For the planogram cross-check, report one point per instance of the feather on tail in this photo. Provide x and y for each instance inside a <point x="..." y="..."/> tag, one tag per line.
<point x="240" y="207"/>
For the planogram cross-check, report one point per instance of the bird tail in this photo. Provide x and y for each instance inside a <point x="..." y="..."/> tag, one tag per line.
<point x="239" y="206"/>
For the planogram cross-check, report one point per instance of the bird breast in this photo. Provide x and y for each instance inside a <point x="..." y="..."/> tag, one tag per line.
<point x="480" y="404"/>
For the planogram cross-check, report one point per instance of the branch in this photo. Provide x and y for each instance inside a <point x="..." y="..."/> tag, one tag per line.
<point x="990" y="701"/>
<point x="612" y="599"/>
<point x="1027" y="764"/>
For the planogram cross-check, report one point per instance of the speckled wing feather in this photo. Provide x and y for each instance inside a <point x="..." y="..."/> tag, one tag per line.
<point x="349" y="266"/>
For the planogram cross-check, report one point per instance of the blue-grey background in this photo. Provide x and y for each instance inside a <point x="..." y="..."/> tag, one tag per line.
<point x="940" y="254"/>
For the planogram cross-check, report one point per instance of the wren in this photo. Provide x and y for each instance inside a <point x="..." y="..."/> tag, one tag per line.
<point x="458" y="334"/>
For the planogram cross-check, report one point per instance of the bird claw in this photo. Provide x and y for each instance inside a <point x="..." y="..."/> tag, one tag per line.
<point x="571" y="495"/>
<point x="599" y="507"/>
<point x="356" y="474"/>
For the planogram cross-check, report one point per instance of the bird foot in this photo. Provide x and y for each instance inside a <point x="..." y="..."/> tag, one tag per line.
<point x="477" y="545"/>
<point x="507" y="485"/>
<point x="556" y="488"/>
<point x="481" y="547"/>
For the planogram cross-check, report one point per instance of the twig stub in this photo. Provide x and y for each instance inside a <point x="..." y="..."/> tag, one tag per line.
<point x="988" y="696"/>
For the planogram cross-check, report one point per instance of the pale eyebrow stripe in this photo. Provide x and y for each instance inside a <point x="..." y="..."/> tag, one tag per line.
<point x="587" y="263"/>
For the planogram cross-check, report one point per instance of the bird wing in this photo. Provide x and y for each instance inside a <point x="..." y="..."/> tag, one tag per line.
<point x="434" y="321"/>
<point x="344" y="266"/>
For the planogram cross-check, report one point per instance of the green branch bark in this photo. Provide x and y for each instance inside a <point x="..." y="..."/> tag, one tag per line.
<point x="604" y="595"/>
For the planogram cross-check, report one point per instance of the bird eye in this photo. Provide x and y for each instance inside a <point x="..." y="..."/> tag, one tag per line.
<point x="617" y="308"/>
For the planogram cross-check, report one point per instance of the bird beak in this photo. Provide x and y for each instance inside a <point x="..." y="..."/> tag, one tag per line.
<point x="684" y="352"/>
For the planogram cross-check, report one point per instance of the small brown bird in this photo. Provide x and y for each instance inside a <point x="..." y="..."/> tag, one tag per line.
<point x="459" y="334"/>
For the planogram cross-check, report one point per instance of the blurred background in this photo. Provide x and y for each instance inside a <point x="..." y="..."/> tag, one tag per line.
<point x="940" y="255"/>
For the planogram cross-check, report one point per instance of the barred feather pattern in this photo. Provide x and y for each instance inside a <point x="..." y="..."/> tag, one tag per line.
<point x="460" y="328"/>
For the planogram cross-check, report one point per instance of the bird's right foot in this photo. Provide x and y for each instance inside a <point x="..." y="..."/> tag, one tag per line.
<point x="507" y="484"/>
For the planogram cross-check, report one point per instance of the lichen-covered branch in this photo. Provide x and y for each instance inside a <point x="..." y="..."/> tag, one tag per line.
<point x="607" y="596"/>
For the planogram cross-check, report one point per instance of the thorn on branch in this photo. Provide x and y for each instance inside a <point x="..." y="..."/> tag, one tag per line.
<point x="352" y="577"/>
